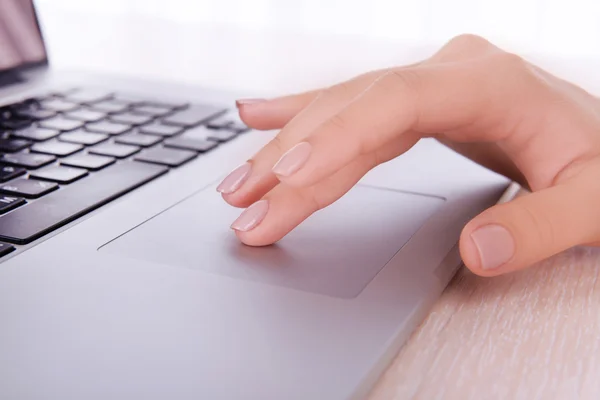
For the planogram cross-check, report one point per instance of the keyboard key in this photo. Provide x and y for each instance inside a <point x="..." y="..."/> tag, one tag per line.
<point x="8" y="172"/>
<point x="110" y="128"/>
<point x="83" y="137"/>
<point x="159" y="129"/>
<point x="28" y="188"/>
<point x="87" y="161"/>
<point x="200" y="145"/>
<point x="152" y="110"/>
<point x="222" y="135"/>
<point x="114" y="150"/>
<point x="202" y="132"/>
<point x="15" y="123"/>
<point x="85" y="115"/>
<point x="59" y="174"/>
<point x="61" y="124"/>
<point x="35" y="113"/>
<point x="137" y="139"/>
<point x="27" y="160"/>
<point x="230" y="121"/>
<point x="13" y="145"/>
<point x="87" y="96"/>
<point x="110" y="106"/>
<point x="60" y="105"/>
<point x="219" y="122"/>
<point x="8" y="203"/>
<point x="238" y="127"/>
<point x="56" y="148"/>
<point x="168" y="157"/>
<point x="144" y="101"/>
<point x="26" y="224"/>
<point x="5" y="249"/>
<point x="36" y="133"/>
<point x="193" y="115"/>
<point x="130" y="118"/>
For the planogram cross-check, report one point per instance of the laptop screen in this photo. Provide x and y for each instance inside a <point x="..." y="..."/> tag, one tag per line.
<point x="21" y="42"/>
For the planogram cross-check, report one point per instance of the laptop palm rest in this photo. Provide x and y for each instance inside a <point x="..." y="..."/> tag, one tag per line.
<point x="336" y="252"/>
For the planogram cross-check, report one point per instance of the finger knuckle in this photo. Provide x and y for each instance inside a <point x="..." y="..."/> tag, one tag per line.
<point x="468" y="40"/>
<point x="277" y="144"/>
<point x="408" y="80"/>
<point x="338" y="122"/>
<point x="509" y="61"/>
<point x="539" y="226"/>
<point x="315" y="199"/>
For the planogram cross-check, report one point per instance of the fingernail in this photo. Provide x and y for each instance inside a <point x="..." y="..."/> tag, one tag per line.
<point x="235" y="179"/>
<point x="247" y="102"/>
<point x="293" y="159"/>
<point x="251" y="217"/>
<point x="495" y="245"/>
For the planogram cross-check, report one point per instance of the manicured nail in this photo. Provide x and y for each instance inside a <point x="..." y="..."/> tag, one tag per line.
<point x="235" y="179"/>
<point x="247" y="102"/>
<point x="293" y="159"/>
<point x="251" y="217"/>
<point x="495" y="245"/>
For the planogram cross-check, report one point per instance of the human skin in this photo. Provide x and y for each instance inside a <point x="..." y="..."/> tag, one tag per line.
<point x="487" y="104"/>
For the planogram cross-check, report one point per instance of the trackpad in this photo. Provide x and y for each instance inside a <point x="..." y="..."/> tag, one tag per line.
<point x="336" y="252"/>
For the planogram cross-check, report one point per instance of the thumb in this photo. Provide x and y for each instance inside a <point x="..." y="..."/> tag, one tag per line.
<point x="517" y="234"/>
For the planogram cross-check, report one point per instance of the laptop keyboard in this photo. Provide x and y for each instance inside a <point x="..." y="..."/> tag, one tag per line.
<point x="66" y="154"/>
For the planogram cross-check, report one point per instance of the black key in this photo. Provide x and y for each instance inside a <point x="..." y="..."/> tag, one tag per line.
<point x="202" y="132"/>
<point x="56" y="148"/>
<point x="35" y="113"/>
<point x="87" y="161"/>
<point x="8" y="172"/>
<point x="26" y="224"/>
<point x="130" y="118"/>
<point x="36" y="133"/>
<point x="12" y="145"/>
<point x="15" y="123"/>
<point x="110" y="128"/>
<point x="8" y="203"/>
<point x="56" y="104"/>
<point x="87" y="96"/>
<point x="27" y="160"/>
<point x="152" y="110"/>
<point x="83" y="137"/>
<point x="110" y="106"/>
<point x="219" y="122"/>
<point x="114" y="150"/>
<point x="61" y="124"/>
<point x="28" y="188"/>
<point x="168" y="157"/>
<point x="200" y="145"/>
<point x="59" y="174"/>
<point x="85" y="115"/>
<point x="144" y="101"/>
<point x="137" y="139"/>
<point x="5" y="249"/>
<point x="193" y="115"/>
<point x="159" y="129"/>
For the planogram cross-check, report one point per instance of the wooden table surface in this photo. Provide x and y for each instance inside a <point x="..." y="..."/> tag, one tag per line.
<point x="534" y="334"/>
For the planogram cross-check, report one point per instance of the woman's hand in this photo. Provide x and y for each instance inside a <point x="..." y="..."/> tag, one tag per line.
<point x="490" y="105"/>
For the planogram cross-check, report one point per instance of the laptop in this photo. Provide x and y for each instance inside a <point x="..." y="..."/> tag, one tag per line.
<point x="120" y="278"/>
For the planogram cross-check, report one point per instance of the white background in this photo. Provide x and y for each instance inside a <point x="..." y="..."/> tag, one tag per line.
<point x="564" y="27"/>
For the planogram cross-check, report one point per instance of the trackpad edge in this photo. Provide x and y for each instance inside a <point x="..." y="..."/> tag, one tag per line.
<point x="336" y="252"/>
